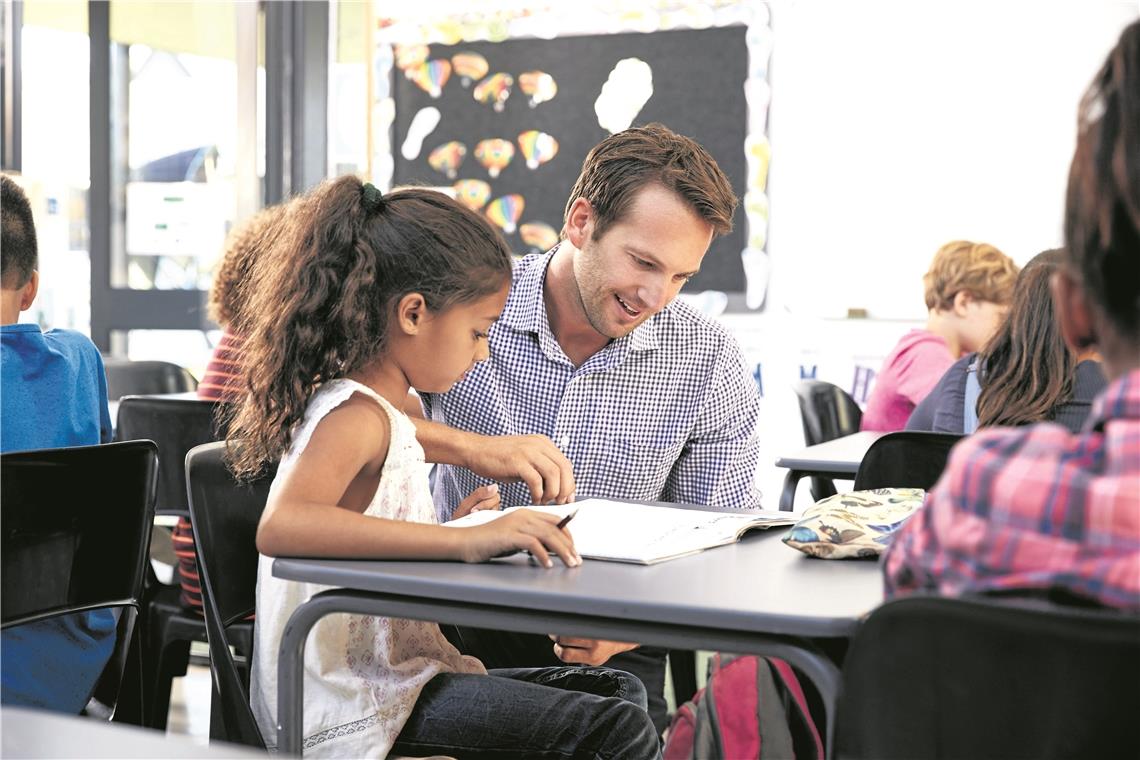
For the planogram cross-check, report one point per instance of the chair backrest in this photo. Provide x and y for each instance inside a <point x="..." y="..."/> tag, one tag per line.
<point x="129" y="378"/>
<point x="828" y="412"/>
<point x="932" y="677"/>
<point x="176" y="425"/>
<point x="225" y="514"/>
<point x="76" y="528"/>
<point x="906" y="459"/>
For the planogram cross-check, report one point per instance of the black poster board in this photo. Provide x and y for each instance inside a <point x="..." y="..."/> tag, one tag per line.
<point x="698" y="90"/>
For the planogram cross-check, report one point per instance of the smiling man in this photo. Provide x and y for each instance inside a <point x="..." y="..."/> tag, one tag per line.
<point x="600" y="383"/>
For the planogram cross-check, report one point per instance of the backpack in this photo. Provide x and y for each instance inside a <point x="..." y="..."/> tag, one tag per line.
<point x="752" y="707"/>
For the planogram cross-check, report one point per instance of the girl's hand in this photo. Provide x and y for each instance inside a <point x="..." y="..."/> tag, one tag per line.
<point x="483" y="497"/>
<point x="523" y="529"/>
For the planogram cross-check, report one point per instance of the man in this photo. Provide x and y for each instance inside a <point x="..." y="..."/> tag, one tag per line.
<point x="1039" y="508"/>
<point x="599" y="383"/>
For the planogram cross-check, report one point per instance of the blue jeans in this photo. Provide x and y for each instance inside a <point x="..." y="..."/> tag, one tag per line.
<point x="539" y="713"/>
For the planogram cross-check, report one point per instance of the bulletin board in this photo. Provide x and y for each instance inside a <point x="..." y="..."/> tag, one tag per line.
<point x="698" y="78"/>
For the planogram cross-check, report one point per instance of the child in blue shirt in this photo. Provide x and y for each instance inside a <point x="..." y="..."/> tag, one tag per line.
<point x="53" y="394"/>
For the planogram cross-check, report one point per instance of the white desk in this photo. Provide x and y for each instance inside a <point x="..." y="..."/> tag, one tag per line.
<point x="35" y="734"/>
<point x="756" y="596"/>
<point x="838" y="458"/>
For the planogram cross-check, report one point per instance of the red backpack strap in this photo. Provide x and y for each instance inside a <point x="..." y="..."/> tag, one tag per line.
<point x="798" y="715"/>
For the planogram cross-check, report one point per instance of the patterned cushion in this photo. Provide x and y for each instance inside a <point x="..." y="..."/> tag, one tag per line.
<point x="855" y="524"/>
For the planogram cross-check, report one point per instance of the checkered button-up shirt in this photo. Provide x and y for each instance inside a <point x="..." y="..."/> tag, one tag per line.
<point x="666" y="413"/>
<point x="1034" y="508"/>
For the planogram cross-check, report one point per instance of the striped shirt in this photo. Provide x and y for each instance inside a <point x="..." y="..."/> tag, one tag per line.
<point x="1034" y="508"/>
<point x="665" y="413"/>
<point x="224" y="370"/>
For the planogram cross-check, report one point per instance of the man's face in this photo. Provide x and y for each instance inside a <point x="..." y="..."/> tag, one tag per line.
<point x="640" y="263"/>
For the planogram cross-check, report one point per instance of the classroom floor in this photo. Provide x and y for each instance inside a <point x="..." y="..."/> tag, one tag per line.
<point x="190" y="701"/>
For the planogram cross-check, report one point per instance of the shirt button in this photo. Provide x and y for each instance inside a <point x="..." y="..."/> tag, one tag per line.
<point x="564" y="442"/>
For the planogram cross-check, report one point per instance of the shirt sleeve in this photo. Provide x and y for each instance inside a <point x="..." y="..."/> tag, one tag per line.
<point x="941" y="410"/>
<point x="907" y="561"/>
<point x="926" y="363"/>
<point x="717" y="465"/>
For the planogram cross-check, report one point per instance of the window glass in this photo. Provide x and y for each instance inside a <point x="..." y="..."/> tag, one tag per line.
<point x="55" y="157"/>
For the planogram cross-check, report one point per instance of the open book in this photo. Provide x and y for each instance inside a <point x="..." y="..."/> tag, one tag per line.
<point x="644" y="533"/>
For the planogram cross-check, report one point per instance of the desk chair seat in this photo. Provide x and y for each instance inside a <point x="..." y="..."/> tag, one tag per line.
<point x="907" y="459"/>
<point x="930" y="677"/>
<point x="71" y="568"/>
<point x="827" y="412"/>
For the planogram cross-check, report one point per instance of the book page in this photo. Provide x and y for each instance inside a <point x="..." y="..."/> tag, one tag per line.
<point x="644" y="533"/>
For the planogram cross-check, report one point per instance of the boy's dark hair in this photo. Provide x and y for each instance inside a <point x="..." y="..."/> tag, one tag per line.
<point x="18" y="254"/>
<point x="1102" y="209"/>
<point x="323" y="299"/>
<point x="620" y="165"/>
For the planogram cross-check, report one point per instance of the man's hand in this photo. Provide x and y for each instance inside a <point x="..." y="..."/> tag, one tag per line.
<point x="483" y="497"/>
<point x="588" y="651"/>
<point x="533" y="459"/>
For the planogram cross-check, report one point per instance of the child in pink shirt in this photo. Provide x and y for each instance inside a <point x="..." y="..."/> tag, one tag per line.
<point x="968" y="289"/>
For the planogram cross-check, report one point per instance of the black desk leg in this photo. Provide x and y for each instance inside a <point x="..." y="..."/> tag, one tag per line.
<point x="788" y="495"/>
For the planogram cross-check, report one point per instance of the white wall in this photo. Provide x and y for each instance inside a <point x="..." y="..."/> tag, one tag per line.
<point x="896" y="127"/>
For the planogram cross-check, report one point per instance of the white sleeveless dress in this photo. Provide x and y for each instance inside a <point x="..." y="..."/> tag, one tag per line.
<point x="362" y="674"/>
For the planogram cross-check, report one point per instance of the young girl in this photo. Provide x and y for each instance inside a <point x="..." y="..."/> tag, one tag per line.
<point x="380" y="294"/>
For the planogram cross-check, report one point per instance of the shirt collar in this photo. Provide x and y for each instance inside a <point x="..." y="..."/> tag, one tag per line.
<point x="525" y="310"/>
<point x="1120" y="400"/>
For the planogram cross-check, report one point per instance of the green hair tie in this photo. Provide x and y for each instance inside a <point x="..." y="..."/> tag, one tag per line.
<point x="371" y="197"/>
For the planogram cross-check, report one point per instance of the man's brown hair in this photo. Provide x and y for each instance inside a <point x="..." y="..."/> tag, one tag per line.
<point x="620" y="165"/>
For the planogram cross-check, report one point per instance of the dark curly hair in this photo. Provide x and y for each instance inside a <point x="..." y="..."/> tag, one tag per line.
<point x="245" y="246"/>
<point x="1102" y="209"/>
<point x="322" y="303"/>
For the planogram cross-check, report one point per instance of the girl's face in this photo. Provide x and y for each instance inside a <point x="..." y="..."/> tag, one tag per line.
<point x="449" y="343"/>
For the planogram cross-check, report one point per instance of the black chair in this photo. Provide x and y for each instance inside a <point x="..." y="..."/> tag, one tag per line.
<point x="76" y="536"/>
<point x="127" y="378"/>
<point x="907" y="459"/>
<point x="168" y="625"/>
<point x="225" y="514"/>
<point x="930" y="677"/>
<point x="828" y="412"/>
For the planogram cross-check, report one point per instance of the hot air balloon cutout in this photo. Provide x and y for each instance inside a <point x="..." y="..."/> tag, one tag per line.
<point x="469" y="67"/>
<point x="494" y="154"/>
<point x="538" y="86"/>
<point x="472" y="193"/>
<point x="494" y="90"/>
<point x="447" y="158"/>
<point x="538" y="235"/>
<point x="537" y="147"/>
<point x="505" y="211"/>
<point x="431" y="76"/>
<point x="410" y="56"/>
